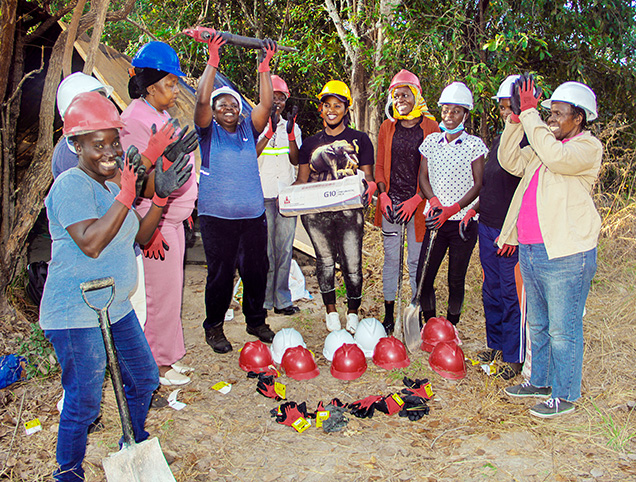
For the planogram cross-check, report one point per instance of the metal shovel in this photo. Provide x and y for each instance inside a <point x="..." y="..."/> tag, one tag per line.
<point x="135" y="462"/>
<point x="412" y="312"/>
<point x="399" y="327"/>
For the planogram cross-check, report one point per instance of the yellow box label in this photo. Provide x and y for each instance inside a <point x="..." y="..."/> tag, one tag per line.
<point x="280" y="389"/>
<point x="428" y="388"/>
<point x="321" y="416"/>
<point x="301" y="424"/>
<point x="397" y="398"/>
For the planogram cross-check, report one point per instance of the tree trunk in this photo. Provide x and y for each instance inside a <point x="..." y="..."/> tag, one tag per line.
<point x="101" y="8"/>
<point x="67" y="66"/>
<point x="7" y="35"/>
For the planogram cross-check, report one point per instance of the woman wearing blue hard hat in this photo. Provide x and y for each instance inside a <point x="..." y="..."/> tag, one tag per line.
<point x="154" y="88"/>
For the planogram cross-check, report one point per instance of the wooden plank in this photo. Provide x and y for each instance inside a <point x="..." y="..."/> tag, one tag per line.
<point x="302" y="241"/>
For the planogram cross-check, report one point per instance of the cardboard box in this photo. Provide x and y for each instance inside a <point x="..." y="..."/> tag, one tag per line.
<point x="318" y="197"/>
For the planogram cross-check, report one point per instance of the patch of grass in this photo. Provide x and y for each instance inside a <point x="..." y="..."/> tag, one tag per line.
<point x="617" y="434"/>
<point x="414" y="370"/>
<point x="39" y="352"/>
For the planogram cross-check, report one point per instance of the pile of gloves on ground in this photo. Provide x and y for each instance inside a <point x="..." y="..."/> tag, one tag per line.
<point x="409" y="403"/>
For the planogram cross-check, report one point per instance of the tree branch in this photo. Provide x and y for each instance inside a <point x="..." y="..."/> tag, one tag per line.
<point x="342" y="33"/>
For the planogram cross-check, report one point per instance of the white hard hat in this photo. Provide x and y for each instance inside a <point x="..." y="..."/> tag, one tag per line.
<point x="505" y="89"/>
<point x="457" y="93"/>
<point x="577" y="94"/>
<point x="284" y="339"/>
<point x="225" y="90"/>
<point x="75" y="84"/>
<point x="335" y="340"/>
<point x="368" y="335"/>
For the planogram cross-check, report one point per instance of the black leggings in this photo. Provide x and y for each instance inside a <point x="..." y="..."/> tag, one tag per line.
<point x="337" y="236"/>
<point x="458" y="260"/>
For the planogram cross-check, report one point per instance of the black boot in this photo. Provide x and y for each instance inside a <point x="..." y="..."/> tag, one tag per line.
<point x="425" y="316"/>
<point x="216" y="339"/>
<point x="454" y="319"/>
<point x="262" y="331"/>
<point x="389" y="322"/>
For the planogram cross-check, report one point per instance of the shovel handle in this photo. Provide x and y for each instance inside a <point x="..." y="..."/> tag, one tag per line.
<point x="98" y="284"/>
<point x="431" y="241"/>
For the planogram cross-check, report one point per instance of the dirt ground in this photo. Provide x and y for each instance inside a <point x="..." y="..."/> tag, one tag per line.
<point x="474" y="432"/>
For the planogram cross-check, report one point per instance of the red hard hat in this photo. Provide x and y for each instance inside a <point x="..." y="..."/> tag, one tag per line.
<point x="447" y="359"/>
<point x="279" y="85"/>
<point x="390" y="353"/>
<point x="404" y="77"/>
<point x="299" y="363"/>
<point x="437" y="330"/>
<point x="348" y="362"/>
<point x="255" y="357"/>
<point x="89" y="112"/>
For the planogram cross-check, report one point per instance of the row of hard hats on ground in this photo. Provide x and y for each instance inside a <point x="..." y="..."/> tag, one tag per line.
<point x="348" y="354"/>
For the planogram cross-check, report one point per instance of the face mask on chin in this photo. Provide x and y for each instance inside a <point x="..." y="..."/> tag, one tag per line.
<point x="457" y="129"/>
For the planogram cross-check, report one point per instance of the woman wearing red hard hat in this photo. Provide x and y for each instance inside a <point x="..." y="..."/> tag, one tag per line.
<point x="93" y="227"/>
<point x="154" y="88"/>
<point x="553" y="220"/>
<point x="277" y="149"/>
<point x="396" y="173"/>
<point x="335" y="152"/>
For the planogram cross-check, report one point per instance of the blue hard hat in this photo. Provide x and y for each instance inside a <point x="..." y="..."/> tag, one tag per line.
<point x="158" y="55"/>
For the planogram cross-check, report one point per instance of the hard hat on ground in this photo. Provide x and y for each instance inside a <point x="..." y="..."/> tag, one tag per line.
<point x="89" y="112"/>
<point x="158" y="55"/>
<point x="284" y="339"/>
<point x="335" y="340"/>
<point x="505" y="89"/>
<point x="299" y="363"/>
<point x="437" y="330"/>
<point x="255" y="357"/>
<point x="458" y="94"/>
<point x="225" y="90"/>
<point x="279" y="85"/>
<point x="404" y="77"/>
<point x="338" y="89"/>
<point x="447" y="359"/>
<point x="577" y="94"/>
<point x="348" y="362"/>
<point x="368" y="335"/>
<point x="78" y="83"/>
<point x="390" y="353"/>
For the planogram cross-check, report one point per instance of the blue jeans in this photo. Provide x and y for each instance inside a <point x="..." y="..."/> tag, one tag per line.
<point x="280" y="242"/>
<point x="556" y="291"/>
<point x="82" y="357"/>
<point x="501" y="303"/>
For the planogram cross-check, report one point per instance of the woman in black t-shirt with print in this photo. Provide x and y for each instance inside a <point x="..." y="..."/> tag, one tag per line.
<point x="336" y="152"/>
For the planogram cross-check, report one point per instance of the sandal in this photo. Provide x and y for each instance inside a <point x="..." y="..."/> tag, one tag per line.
<point x="489" y="356"/>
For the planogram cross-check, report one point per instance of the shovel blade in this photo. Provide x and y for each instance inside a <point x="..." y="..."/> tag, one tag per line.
<point x="142" y="462"/>
<point x="412" y="337"/>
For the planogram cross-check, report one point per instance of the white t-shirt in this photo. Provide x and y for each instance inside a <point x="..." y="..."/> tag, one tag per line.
<point x="450" y="167"/>
<point x="273" y="163"/>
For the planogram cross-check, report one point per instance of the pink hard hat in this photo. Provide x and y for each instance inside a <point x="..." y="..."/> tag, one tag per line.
<point x="279" y="85"/>
<point x="404" y="77"/>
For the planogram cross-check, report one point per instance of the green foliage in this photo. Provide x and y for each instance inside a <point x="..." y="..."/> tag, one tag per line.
<point x="39" y="352"/>
<point x="617" y="434"/>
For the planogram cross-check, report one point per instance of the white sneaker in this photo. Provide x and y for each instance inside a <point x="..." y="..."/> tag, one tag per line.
<point x="172" y="378"/>
<point x="352" y="322"/>
<point x="180" y="368"/>
<point x="333" y="321"/>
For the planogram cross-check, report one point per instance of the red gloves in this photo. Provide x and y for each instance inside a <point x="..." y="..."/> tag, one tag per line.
<point x="266" y="388"/>
<point x="269" y="133"/>
<point x="436" y="221"/>
<point x="416" y="387"/>
<point x="506" y="250"/>
<point x="527" y="97"/>
<point x="156" y="248"/>
<point x="464" y="223"/>
<point x="366" y="407"/>
<point x="291" y="121"/>
<point x="214" y="45"/>
<point x="433" y="204"/>
<point x="290" y="412"/>
<point x="128" y="192"/>
<point x="368" y="192"/>
<point x="386" y="207"/>
<point x="404" y="211"/>
<point x="390" y="404"/>
<point x="270" y="49"/>
<point x="159" y="140"/>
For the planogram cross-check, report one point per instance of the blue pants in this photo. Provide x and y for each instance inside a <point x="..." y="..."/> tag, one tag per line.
<point x="556" y="290"/>
<point x="280" y="242"/>
<point x="501" y="303"/>
<point x="82" y="357"/>
<point x="230" y="244"/>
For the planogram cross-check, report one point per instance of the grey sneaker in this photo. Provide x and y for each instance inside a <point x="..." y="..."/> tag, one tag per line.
<point x="526" y="389"/>
<point x="552" y="407"/>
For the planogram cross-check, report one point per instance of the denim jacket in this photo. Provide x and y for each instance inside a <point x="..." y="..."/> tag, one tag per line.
<point x="568" y="170"/>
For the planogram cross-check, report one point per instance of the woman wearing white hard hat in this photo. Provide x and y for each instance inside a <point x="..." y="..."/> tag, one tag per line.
<point x="553" y="220"/>
<point x="450" y="178"/>
<point x="396" y="174"/>
<point x="504" y="330"/>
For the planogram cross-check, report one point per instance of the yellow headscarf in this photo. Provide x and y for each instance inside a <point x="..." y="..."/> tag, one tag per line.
<point x="420" y="108"/>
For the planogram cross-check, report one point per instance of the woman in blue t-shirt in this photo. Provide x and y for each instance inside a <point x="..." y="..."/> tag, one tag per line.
<point x="231" y="205"/>
<point x="335" y="152"/>
<point x="93" y="228"/>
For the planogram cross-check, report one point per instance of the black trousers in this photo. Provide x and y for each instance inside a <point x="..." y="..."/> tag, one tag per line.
<point x="230" y="244"/>
<point x="337" y="236"/>
<point x="459" y="253"/>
